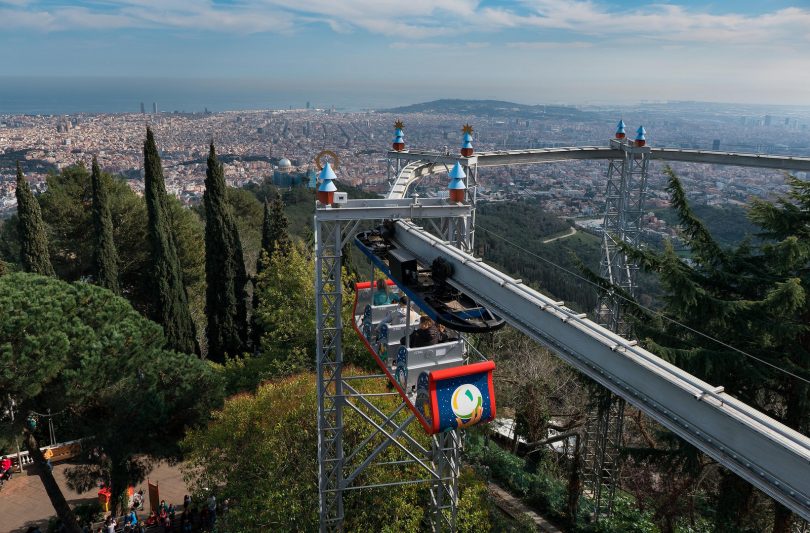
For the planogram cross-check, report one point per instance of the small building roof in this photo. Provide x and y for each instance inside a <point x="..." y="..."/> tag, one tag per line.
<point x="284" y="163"/>
<point x="457" y="183"/>
<point x="327" y="186"/>
<point x="457" y="172"/>
<point x="327" y="173"/>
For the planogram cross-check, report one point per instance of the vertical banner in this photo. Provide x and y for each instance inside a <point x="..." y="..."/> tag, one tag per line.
<point x="154" y="496"/>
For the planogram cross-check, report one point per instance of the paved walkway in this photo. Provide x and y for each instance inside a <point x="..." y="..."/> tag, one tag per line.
<point x="24" y="503"/>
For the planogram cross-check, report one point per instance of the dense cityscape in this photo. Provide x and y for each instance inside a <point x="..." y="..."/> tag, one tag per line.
<point x="262" y="144"/>
<point x="455" y="266"/>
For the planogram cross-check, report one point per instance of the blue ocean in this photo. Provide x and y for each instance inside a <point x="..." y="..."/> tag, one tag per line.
<point x="56" y="96"/>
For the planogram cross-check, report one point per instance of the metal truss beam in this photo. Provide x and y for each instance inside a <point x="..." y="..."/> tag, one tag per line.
<point x="547" y="155"/>
<point x="764" y="452"/>
<point x="380" y="209"/>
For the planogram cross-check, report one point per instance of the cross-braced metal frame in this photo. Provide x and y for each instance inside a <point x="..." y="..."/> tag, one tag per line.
<point x="340" y="397"/>
<point x="328" y="330"/>
<point x="394" y="167"/>
<point x="624" y="204"/>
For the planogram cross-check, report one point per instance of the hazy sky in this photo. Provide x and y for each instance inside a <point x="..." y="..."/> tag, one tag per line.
<point x="532" y="51"/>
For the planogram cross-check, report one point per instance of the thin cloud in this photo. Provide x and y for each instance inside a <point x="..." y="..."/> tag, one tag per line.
<point x="579" y="20"/>
<point x="548" y="45"/>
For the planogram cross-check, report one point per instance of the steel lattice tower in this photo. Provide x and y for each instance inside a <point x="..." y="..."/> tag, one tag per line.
<point x="624" y="210"/>
<point x="338" y="467"/>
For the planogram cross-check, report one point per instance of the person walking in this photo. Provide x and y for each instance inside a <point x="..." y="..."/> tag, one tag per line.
<point x="212" y="511"/>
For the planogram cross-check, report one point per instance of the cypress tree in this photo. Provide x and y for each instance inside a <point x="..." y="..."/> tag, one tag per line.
<point x="274" y="239"/>
<point x="225" y="297"/>
<point x="274" y="232"/>
<point x="105" y="258"/>
<point x="170" y="297"/>
<point x="33" y="239"/>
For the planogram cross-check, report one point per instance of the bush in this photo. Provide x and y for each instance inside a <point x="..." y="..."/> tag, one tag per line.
<point x="548" y="495"/>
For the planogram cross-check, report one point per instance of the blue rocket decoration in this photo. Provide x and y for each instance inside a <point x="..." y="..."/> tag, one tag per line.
<point x="641" y="136"/>
<point x="462" y="396"/>
<point x="382" y="341"/>
<point x="326" y="191"/>
<point x="423" y="394"/>
<point x="367" y="321"/>
<point x="466" y="141"/>
<point x="457" y="187"/>
<point x="401" y="374"/>
<point x="399" y="140"/>
<point x="620" y="130"/>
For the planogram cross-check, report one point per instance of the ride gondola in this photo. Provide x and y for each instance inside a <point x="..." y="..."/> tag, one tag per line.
<point x="427" y="286"/>
<point x="441" y="390"/>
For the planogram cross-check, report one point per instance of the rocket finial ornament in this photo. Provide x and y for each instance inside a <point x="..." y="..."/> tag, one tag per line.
<point x="457" y="187"/>
<point x="399" y="141"/>
<point x="326" y="191"/>
<point x="620" y="130"/>
<point x="641" y="136"/>
<point x="466" y="141"/>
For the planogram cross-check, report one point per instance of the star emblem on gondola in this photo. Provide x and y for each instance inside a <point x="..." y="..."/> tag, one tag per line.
<point x="398" y="125"/>
<point x="466" y="129"/>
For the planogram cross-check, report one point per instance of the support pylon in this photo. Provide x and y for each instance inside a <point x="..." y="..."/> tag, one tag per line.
<point x="624" y="203"/>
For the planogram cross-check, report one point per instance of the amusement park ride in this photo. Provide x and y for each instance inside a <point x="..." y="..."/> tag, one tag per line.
<point x="448" y="387"/>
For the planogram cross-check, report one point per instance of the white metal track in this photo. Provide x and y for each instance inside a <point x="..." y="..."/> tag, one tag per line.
<point x="546" y="155"/>
<point x="764" y="452"/>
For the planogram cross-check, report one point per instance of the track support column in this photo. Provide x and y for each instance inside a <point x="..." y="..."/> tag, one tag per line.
<point x="329" y="367"/>
<point x="625" y="192"/>
<point x="446" y="451"/>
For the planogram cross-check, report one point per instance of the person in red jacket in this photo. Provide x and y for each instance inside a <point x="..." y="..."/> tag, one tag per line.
<point x="5" y="468"/>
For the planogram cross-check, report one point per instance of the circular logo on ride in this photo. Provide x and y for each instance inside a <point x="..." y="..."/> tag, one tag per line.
<point x="466" y="401"/>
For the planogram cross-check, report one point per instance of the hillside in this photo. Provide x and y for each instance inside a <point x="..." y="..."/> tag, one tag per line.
<point x="728" y="225"/>
<point x="491" y="108"/>
<point x="527" y="225"/>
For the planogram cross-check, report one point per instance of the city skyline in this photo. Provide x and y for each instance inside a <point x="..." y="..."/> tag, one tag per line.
<point x="386" y="52"/>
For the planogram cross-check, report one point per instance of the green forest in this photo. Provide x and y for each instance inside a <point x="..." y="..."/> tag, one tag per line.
<point x="166" y="333"/>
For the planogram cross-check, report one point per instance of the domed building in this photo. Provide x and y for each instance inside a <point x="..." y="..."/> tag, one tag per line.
<point x="286" y="175"/>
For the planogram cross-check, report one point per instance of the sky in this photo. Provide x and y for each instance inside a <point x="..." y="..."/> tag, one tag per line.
<point x="529" y="51"/>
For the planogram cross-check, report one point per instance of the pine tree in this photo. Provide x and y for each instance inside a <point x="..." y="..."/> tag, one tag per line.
<point x="226" y="297"/>
<point x="171" y="301"/>
<point x="754" y="298"/>
<point x="33" y="239"/>
<point x="105" y="258"/>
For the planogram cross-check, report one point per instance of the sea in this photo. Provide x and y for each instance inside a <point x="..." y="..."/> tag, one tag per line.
<point x="62" y="96"/>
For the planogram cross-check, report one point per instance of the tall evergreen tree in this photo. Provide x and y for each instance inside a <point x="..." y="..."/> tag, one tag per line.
<point x="171" y="301"/>
<point x="105" y="258"/>
<point x="226" y="297"/>
<point x="755" y="299"/>
<point x="275" y="236"/>
<point x="33" y="239"/>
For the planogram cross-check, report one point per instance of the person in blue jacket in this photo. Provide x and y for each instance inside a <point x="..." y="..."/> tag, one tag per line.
<point x="381" y="294"/>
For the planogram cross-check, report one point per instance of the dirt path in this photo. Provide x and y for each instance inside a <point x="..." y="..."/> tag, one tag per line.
<point x="516" y="508"/>
<point x="571" y="231"/>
